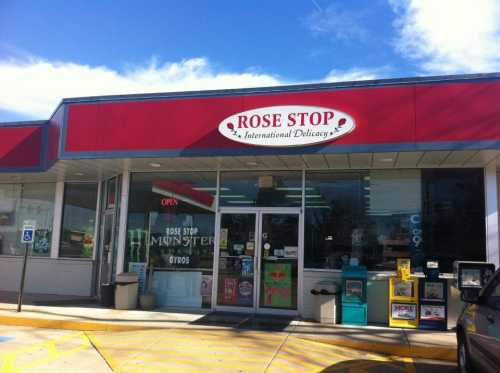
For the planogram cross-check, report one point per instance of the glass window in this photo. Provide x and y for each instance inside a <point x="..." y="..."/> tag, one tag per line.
<point x="111" y="193"/>
<point x="331" y="215"/>
<point x="78" y="224"/>
<point x="453" y="219"/>
<point x="372" y="217"/>
<point x="261" y="188"/>
<point x="26" y="202"/>
<point x="378" y="216"/>
<point x="171" y="223"/>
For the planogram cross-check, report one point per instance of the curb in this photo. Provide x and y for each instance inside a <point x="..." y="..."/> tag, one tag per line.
<point x="419" y="352"/>
<point x="93" y="326"/>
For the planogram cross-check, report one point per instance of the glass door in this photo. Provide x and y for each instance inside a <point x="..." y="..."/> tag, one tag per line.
<point x="236" y="261"/>
<point x="106" y="257"/>
<point x="279" y="254"/>
<point x="257" y="261"/>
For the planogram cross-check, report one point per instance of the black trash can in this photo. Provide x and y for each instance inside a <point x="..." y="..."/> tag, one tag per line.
<point x="108" y="295"/>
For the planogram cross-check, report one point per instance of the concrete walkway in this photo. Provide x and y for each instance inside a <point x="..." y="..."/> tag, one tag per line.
<point x="400" y="342"/>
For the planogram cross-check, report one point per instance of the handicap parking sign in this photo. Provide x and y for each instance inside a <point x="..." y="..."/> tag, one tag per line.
<point x="28" y="234"/>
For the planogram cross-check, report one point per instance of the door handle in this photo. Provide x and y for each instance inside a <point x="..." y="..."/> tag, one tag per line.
<point x="490" y="318"/>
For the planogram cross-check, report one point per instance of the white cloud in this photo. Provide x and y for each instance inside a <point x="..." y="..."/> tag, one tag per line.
<point x="34" y="87"/>
<point x="449" y="36"/>
<point x="352" y="74"/>
<point x="337" y="22"/>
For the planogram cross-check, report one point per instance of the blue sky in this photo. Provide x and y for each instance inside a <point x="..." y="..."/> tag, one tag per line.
<point x="55" y="49"/>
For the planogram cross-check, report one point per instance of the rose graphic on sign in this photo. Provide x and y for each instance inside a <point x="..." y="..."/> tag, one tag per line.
<point x="287" y="125"/>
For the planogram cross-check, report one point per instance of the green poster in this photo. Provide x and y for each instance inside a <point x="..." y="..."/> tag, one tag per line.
<point x="278" y="285"/>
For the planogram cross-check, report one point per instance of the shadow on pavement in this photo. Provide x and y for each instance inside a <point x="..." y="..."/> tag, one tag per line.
<point x="245" y="321"/>
<point x="372" y="366"/>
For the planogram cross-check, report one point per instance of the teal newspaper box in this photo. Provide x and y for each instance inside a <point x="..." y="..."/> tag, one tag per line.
<point x="354" y="301"/>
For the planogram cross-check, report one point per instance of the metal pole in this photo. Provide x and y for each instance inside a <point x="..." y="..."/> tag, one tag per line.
<point x="23" y="276"/>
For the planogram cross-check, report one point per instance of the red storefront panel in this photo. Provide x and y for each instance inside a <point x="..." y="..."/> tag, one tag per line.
<point x="20" y="147"/>
<point x="383" y="115"/>
<point x="458" y="112"/>
<point x="403" y="116"/>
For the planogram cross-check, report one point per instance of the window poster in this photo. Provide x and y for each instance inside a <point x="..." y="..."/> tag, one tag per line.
<point x="238" y="249"/>
<point x="230" y="290"/>
<point x="403" y="288"/>
<point x="354" y="288"/>
<point x="431" y="312"/>
<point x="223" y="238"/>
<point x="247" y="267"/>
<point x="403" y="311"/>
<point x="290" y="251"/>
<point x="433" y="290"/>
<point x="206" y="285"/>
<point x="249" y="248"/>
<point x="140" y="269"/>
<point x="7" y="218"/>
<point x="41" y="244"/>
<point x="278" y="285"/>
<point x="245" y="293"/>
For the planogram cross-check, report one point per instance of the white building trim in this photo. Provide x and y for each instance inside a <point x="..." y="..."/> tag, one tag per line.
<point x="122" y="227"/>
<point x="491" y="201"/>
<point x="57" y="220"/>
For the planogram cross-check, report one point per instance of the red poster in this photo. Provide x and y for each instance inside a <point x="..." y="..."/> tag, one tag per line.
<point x="230" y="290"/>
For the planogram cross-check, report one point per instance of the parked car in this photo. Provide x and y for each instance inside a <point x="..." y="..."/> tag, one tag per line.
<point x="478" y="329"/>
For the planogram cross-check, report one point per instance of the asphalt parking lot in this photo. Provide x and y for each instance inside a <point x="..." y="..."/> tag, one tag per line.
<point x="25" y="349"/>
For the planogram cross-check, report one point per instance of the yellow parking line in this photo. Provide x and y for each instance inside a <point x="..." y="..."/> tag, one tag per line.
<point x="52" y="352"/>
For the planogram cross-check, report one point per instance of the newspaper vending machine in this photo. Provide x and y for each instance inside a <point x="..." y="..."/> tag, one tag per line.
<point x="403" y="297"/>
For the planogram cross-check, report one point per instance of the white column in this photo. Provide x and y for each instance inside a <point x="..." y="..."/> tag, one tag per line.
<point x="57" y="221"/>
<point x="97" y="222"/>
<point x="491" y="201"/>
<point x="122" y="227"/>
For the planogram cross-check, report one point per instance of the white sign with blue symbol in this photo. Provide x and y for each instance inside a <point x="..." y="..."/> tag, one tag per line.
<point x="28" y="234"/>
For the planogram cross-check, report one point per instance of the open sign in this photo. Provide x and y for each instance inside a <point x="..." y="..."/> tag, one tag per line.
<point x="169" y="202"/>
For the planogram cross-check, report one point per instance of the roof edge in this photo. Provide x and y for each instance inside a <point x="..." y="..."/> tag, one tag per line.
<point x="24" y="123"/>
<point x="288" y="88"/>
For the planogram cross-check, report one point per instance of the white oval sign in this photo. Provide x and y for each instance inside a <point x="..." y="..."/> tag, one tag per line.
<point x="290" y="125"/>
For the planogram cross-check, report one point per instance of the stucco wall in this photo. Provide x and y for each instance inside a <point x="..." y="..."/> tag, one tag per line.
<point x="47" y="276"/>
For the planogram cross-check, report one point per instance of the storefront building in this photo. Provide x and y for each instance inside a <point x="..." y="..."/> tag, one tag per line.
<point x="242" y="200"/>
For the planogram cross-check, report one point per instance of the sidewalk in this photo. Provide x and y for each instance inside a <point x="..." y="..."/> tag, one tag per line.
<point x="400" y="342"/>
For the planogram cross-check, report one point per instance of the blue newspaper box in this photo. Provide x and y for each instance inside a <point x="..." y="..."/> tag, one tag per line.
<point x="433" y="300"/>
<point x="354" y="301"/>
